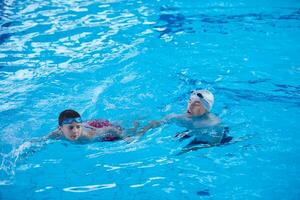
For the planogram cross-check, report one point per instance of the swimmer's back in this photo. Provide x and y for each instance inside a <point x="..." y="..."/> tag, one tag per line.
<point x="101" y="123"/>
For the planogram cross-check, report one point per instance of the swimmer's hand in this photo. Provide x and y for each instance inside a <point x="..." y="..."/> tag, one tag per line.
<point x="151" y="125"/>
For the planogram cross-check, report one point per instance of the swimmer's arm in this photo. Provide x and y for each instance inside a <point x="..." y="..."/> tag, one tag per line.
<point x="157" y="123"/>
<point x="54" y="135"/>
<point x="36" y="144"/>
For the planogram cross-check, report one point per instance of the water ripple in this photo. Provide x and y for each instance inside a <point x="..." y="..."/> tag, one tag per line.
<point x="68" y="36"/>
<point x="172" y="21"/>
<point x="150" y="180"/>
<point x="90" y="188"/>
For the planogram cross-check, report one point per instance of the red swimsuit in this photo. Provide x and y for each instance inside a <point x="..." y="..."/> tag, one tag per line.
<point x="99" y="123"/>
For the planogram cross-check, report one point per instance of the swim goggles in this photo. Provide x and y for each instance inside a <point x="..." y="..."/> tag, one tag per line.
<point x="71" y="120"/>
<point x="197" y="93"/>
<point x="198" y="96"/>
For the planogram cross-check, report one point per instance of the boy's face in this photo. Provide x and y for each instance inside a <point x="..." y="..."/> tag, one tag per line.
<point x="195" y="108"/>
<point x="71" y="131"/>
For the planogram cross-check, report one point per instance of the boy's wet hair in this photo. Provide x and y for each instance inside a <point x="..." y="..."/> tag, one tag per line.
<point x="67" y="114"/>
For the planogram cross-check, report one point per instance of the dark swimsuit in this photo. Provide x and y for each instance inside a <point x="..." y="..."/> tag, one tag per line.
<point x="184" y="135"/>
<point x="99" y="123"/>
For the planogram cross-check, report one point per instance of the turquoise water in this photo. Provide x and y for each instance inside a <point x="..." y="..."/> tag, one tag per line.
<point x="138" y="60"/>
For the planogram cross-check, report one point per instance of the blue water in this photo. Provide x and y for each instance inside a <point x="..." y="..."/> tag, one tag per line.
<point x="138" y="60"/>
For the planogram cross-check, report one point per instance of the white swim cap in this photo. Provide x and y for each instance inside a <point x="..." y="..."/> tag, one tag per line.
<point x="205" y="97"/>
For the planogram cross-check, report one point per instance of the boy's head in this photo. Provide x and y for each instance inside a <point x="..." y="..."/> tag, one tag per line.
<point x="69" y="122"/>
<point x="201" y="102"/>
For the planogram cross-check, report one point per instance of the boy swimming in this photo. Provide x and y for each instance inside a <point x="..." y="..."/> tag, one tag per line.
<point x="71" y="127"/>
<point x="200" y="123"/>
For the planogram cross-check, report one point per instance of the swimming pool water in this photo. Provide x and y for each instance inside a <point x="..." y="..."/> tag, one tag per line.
<point x="138" y="60"/>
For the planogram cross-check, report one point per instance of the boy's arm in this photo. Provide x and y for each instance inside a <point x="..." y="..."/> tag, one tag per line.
<point x="54" y="135"/>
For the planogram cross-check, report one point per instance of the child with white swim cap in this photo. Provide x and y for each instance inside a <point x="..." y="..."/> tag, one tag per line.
<point x="198" y="120"/>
